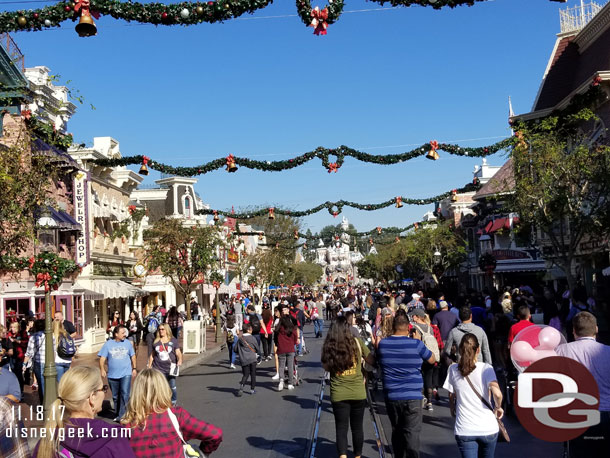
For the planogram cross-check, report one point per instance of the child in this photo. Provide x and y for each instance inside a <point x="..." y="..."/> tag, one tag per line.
<point x="248" y="350"/>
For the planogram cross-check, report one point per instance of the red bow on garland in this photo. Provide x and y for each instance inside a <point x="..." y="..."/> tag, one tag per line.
<point x="216" y="284"/>
<point x="31" y="261"/>
<point x="333" y="167"/>
<point x="434" y="145"/>
<point x="319" y="20"/>
<point x="27" y="114"/>
<point x="85" y="7"/>
<point x="131" y="208"/>
<point x="596" y="81"/>
<point x="145" y="160"/>
<point x="43" y="278"/>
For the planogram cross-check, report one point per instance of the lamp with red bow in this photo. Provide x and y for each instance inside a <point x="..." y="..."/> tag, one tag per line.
<point x="144" y="167"/>
<point x="271" y="213"/>
<point x="433" y="154"/>
<point x="86" y="26"/>
<point x="398" y="202"/>
<point x="231" y="165"/>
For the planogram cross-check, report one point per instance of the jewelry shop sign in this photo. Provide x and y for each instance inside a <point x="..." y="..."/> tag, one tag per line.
<point x="80" y="211"/>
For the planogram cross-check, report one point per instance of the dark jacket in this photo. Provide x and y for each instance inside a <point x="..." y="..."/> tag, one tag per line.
<point x="245" y="344"/>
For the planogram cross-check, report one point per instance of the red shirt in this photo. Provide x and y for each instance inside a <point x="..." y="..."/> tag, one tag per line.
<point x="518" y="326"/>
<point x="159" y="438"/>
<point x="286" y="343"/>
<point x="20" y="343"/>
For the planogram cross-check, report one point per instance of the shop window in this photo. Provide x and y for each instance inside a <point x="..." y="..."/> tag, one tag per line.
<point x="16" y="308"/>
<point x="78" y="315"/>
<point x="187" y="207"/>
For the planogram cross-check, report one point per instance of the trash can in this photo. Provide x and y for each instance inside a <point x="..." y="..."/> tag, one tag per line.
<point x="194" y="336"/>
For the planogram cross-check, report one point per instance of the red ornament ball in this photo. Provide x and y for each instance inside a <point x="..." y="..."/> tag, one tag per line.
<point x="35" y="15"/>
<point x="164" y="16"/>
<point x="67" y="8"/>
<point x="211" y="3"/>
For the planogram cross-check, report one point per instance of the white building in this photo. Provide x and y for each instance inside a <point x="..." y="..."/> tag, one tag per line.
<point x="338" y="260"/>
<point x="50" y="102"/>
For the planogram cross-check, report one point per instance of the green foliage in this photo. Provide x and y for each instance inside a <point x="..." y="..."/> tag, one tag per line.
<point x="25" y="181"/>
<point x="562" y="181"/>
<point x="305" y="273"/>
<point x="48" y="269"/>
<point x="181" y="254"/>
<point x="415" y="253"/>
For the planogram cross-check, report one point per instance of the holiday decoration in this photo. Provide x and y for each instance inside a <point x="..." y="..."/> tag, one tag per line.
<point x="181" y="13"/>
<point x="231" y="167"/>
<point x="48" y="269"/>
<point x="144" y="167"/>
<point x="260" y="236"/>
<point x="321" y="153"/>
<point x="85" y="27"/>
<point x="378" y="229"/>
<point x="398" y="202"/>
<point x="216" y="218"/>
<point x="433" y="154"/>
<point x="487" y="263"/>
<point x="334" y="208"/>
<point x="454" y="195"/>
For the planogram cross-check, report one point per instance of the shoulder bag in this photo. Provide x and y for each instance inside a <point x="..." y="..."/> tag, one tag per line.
<point x="189" y="450"/>
<point x="503" y="436"/>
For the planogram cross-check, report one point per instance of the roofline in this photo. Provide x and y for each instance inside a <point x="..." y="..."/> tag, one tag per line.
<point x="549" y="64"/>
<point x="584" y="87"/>
<point x="593" y="29"/>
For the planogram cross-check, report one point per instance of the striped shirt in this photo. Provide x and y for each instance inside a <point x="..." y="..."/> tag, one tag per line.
<point x="35" y="350"/>
<point x="400" y="358"/>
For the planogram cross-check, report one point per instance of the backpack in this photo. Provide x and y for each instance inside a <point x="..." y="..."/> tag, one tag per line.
<point x="295" y="315"/>
<point x="230" y="336"/>
<point x="429" y="341"/>
<point x="255" y="322"/>
<point x="153" y="324"/>
<point x="66" y="348"/>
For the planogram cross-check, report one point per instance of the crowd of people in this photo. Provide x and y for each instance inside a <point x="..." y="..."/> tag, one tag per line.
<point x="411" y="344"/>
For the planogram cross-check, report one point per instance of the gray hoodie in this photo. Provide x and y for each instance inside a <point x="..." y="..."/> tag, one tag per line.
<point x="456" y="334"/>
<point x="248" y="349"/>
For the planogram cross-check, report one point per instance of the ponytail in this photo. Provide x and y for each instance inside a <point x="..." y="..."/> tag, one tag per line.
<point x="49" y="443"/>
<point x="468" y="354"/>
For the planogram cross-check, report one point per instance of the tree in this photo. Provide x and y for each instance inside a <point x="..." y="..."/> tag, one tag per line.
<point x="182" y="254"/>
<point x="26" y="180"/>
<point x="562" y="182"/>
<point x="432" y="250"/>
<point x="305" y="273"/>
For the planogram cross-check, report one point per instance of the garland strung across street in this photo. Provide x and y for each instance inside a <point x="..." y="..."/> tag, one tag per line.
<point x="335" y="208"/>
<point x="184" y="13"/>
<point x="300" y="235"/>
<point x="231" y="163"/>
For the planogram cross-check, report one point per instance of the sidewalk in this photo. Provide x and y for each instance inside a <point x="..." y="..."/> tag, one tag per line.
<point x="30" y="398"/>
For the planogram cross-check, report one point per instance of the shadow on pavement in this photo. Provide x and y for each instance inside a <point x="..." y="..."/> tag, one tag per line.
<point x="293" y="448"/>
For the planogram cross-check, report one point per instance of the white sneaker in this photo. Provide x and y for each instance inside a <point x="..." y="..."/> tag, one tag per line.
<point x="232" y="366"/>
<point x="276" y="376"/>
<point x="291" y="387"/>
<point x="280" y="387"/>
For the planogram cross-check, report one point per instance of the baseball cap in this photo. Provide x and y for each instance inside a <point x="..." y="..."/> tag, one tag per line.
<point x="418" y="312"/>
<point x="415" y="296"/>
<point x="443" y="304"/>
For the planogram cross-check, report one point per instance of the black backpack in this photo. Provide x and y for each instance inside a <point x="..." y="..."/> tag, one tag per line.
<point x="66" y="348"/>
<point x="255" y="322"/>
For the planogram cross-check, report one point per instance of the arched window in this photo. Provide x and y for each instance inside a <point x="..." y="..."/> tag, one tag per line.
<point x="187" y="207"/>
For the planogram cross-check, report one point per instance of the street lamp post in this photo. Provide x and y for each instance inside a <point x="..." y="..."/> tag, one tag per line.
<point x="251" y="271"/>
<point x="218" y="319"/>
<point x="47" y="229"/>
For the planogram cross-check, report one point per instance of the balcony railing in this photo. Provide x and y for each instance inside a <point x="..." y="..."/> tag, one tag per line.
<point x="575" y="18"/>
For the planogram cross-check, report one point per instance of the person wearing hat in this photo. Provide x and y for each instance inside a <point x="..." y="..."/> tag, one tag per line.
<point x="415" y="303"/>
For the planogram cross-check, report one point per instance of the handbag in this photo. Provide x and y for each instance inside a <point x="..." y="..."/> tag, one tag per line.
<point x="190" y="451"/>
<point x="503" y="436"/>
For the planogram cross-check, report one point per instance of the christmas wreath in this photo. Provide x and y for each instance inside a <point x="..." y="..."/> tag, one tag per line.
<point x="487" y="262"/>
<point x="48" y="269"/>
<point x="318" y="18"/>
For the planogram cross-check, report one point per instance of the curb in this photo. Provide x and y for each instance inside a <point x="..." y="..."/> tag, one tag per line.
<point x="202" y="357"/>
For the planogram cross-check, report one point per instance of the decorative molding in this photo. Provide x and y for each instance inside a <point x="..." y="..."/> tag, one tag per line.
<point x="594" y="29"/>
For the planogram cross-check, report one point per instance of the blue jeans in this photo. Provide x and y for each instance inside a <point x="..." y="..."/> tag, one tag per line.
<point x="318" y="324"/>
<point x="234" y="350"/>
<point x="172" y="384"/>
<point x="301" y="342"/>
<point x="38" y="368"/>
<point x="120" y="393"/>
<point x="62" y="368"/>
<point x="477" y="446"/>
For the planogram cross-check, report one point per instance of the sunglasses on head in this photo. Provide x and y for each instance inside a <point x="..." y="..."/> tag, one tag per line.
<point x="103" y="388"/>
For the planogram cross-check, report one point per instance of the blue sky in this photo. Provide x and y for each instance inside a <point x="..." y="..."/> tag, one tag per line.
<point x="266" y="87"/>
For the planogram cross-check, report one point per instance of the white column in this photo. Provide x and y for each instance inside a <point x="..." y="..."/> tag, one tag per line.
<point x="175" y="190"/>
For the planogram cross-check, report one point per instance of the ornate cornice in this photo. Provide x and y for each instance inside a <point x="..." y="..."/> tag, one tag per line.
<point x="593" y="30"/>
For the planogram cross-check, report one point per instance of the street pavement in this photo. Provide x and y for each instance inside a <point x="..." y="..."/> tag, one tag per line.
<point x="279" y="424"/>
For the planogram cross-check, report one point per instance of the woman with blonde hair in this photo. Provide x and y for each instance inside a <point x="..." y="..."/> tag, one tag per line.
<point x="385" y="330"/>
<point x="80" y="395"/>
<point x="157" y="428"/>
<point x="166" y="357"/>
<point x="62" y="364"/>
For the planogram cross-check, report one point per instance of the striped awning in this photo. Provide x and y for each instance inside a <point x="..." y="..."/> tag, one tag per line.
<point x="112" y="289"/>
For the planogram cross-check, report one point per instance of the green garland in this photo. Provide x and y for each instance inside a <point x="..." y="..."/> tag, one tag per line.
<point x="184" y="13"/>
<point x="372" y="232"/>
<point x="48" y="269"/>
<point x="322" y="153"/>
<point x="334" y="208"/>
